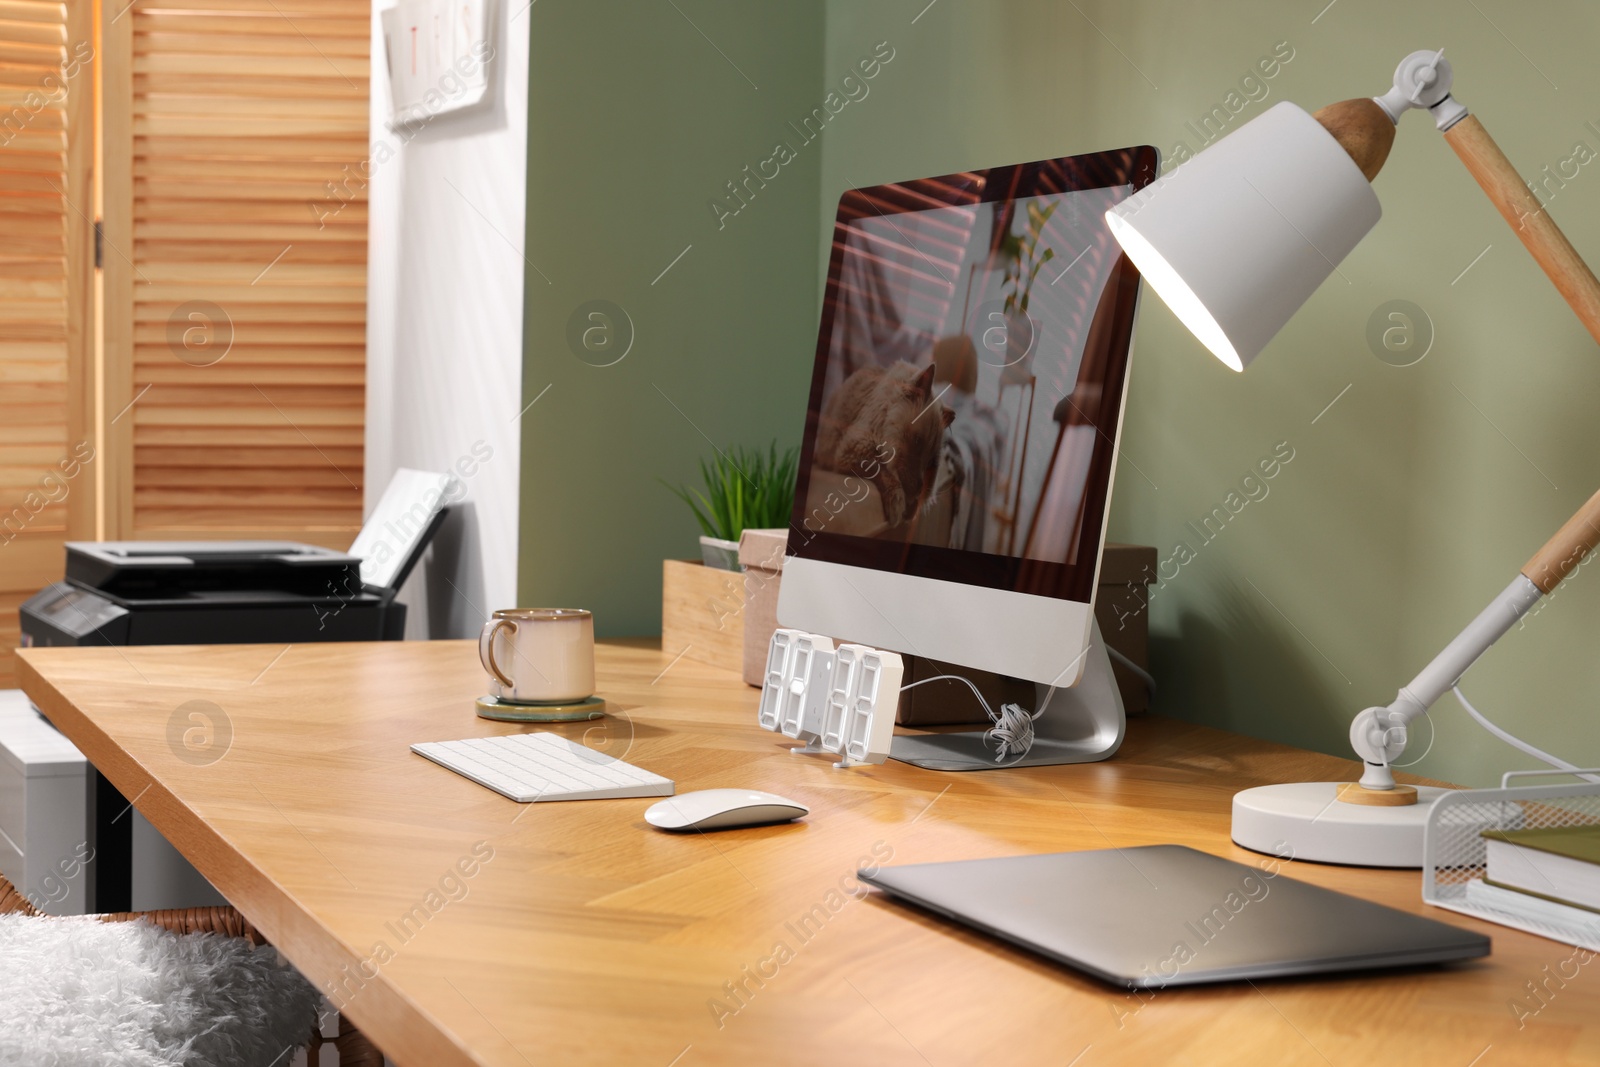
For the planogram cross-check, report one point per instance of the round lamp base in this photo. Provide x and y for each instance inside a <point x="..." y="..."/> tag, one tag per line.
<point x="1307" y="821"/>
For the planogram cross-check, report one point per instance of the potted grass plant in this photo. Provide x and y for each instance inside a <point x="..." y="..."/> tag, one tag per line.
<point x="744" y="489"/>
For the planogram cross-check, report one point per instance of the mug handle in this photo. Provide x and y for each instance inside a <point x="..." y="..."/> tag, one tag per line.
<point x="486" y="649"/>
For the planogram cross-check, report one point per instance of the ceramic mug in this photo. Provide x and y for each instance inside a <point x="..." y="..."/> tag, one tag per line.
<point x="539" y="655"/>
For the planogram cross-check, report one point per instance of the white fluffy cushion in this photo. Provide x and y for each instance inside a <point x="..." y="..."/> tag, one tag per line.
<point x="82" y="993"/>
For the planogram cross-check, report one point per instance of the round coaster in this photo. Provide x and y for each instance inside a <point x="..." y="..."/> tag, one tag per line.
<point x="577" y="711"/>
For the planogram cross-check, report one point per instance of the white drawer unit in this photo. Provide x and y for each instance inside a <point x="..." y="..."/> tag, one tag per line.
<point x="43" y="810"/>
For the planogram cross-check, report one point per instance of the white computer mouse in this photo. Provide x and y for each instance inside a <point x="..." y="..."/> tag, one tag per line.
<point x="722" y="809"/>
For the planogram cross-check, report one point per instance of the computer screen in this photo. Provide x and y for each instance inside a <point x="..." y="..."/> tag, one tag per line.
<point x="969" y="376"/>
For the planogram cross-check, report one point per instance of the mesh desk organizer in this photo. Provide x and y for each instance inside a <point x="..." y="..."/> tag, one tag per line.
<point x="1454" y="852"/>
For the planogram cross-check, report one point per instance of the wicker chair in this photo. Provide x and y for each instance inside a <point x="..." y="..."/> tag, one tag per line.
<point x="354" y="1048"/>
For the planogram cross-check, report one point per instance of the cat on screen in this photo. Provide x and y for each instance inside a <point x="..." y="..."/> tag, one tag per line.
<point x="879" y="409"/>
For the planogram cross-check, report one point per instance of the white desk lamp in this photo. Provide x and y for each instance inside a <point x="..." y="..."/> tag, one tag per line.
<point x="1235" y="240"/>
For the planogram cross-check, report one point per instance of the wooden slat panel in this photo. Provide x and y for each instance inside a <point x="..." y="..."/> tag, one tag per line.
<point x="27" y="54"/>
<point x="300" y="218"/>
<point x="248" y="354"/>
<point x="25" y="217"/>
<point x="284" y="273"/>
<point x="310" y="65"/>
<point x="47" y="11"/>
<point x="13" y="434"/>
<point x="10" y="636"/>
<point x="174" y="166"/>
<point x="244" y="127"/>
<point x="20" y="136"/>
<point x="42" y="457"/>
<point x="24" y="359"/>
<point x="34" y="513"/>
<point x="32" y="560"/>
<point x="253" y="44"/>
<point x="335" y="247"/>
<point x="204" y="398"/>
<point x="246" y="436"/>
<point x="287" y="125"/>
<point x="300" y="12"/>
<point x="243" y="314"/>
<point x="285" y="458"/>
<point x="290" y="480"/>
<point x="302" y="419"/>
<point x="46" y="145"/>
<point x="329" y="88"/>
<point x="34" y="183"/>
<point x="336" y="150"/>
<point x="290" y="333"/>
<point x="234" y="373"/>
<point x="222" y="516"/>
<point x="273" y="23"/>
<point x="52" y="34"/>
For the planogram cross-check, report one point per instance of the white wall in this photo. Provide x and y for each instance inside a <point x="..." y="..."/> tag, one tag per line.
<point x="444" y="324"/>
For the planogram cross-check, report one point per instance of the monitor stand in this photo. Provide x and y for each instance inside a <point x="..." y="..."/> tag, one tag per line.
<point x="1080" y="725"/>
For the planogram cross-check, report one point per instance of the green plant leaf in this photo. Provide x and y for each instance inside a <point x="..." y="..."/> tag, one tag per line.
<point x="744" y="488"/>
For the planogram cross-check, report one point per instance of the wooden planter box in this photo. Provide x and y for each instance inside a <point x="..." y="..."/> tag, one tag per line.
<point x="761" y="554"/>
<point x="725" y="618"/>
<point x="702" y="613"/>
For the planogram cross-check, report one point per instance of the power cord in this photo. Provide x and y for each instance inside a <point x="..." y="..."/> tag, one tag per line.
<point x="1012" y="732"/>
<point x="1516" y="742"/>
<point x="1144" y="675"/>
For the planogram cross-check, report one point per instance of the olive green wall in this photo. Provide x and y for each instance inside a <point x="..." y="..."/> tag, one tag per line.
<point x="638" y="114"/>
<point x="1408" y="504"/>
<point x="1414" y="499"/>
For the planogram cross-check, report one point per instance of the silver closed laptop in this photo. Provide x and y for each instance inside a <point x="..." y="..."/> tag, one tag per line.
<point x="1162" y="915"/>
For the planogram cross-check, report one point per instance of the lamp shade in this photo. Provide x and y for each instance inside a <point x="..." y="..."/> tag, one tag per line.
<point x="1237" y="238"/>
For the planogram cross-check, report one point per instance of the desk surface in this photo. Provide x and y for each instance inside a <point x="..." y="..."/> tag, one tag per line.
<point x="583" y="936"/>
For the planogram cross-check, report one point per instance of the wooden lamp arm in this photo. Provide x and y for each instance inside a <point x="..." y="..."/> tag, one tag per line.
<point x="1577" y="537"/>
<point x="1532" y="223"/>
<point x="1576" y="283"/>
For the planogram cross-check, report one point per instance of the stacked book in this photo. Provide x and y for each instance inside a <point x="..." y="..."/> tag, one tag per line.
<point x="1548" y="875"/>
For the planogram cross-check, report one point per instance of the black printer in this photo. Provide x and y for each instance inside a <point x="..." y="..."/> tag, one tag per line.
<point x="212" y="592"/>
<point x="246" y="592"/>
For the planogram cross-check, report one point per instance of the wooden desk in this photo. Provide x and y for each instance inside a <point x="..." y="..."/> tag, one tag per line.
<point x="584" y="936"/>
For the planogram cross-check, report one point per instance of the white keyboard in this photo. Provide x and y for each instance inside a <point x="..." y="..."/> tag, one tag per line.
<point x="543" y="766"/>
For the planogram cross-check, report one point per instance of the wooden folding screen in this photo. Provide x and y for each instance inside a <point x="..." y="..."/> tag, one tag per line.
<point x="48" y="454"/>
<point x="236" y="169"/>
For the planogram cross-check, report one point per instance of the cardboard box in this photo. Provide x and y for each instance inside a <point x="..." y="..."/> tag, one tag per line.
<point x="702" y="613"/>
<point x="1121" y="606"/>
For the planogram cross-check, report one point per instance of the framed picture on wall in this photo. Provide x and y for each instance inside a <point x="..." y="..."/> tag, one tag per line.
<point x="439" y="55"/>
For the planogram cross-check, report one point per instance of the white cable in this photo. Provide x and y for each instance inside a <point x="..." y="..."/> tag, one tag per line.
<point x="955" y="678"/>
<point x="1013" y="728"/>
<point x="1518" y="743"/>
<point x="1148" y="679"/>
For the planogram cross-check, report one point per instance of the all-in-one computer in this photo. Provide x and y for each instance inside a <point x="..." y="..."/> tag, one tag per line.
<point x="961" y="438"/>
